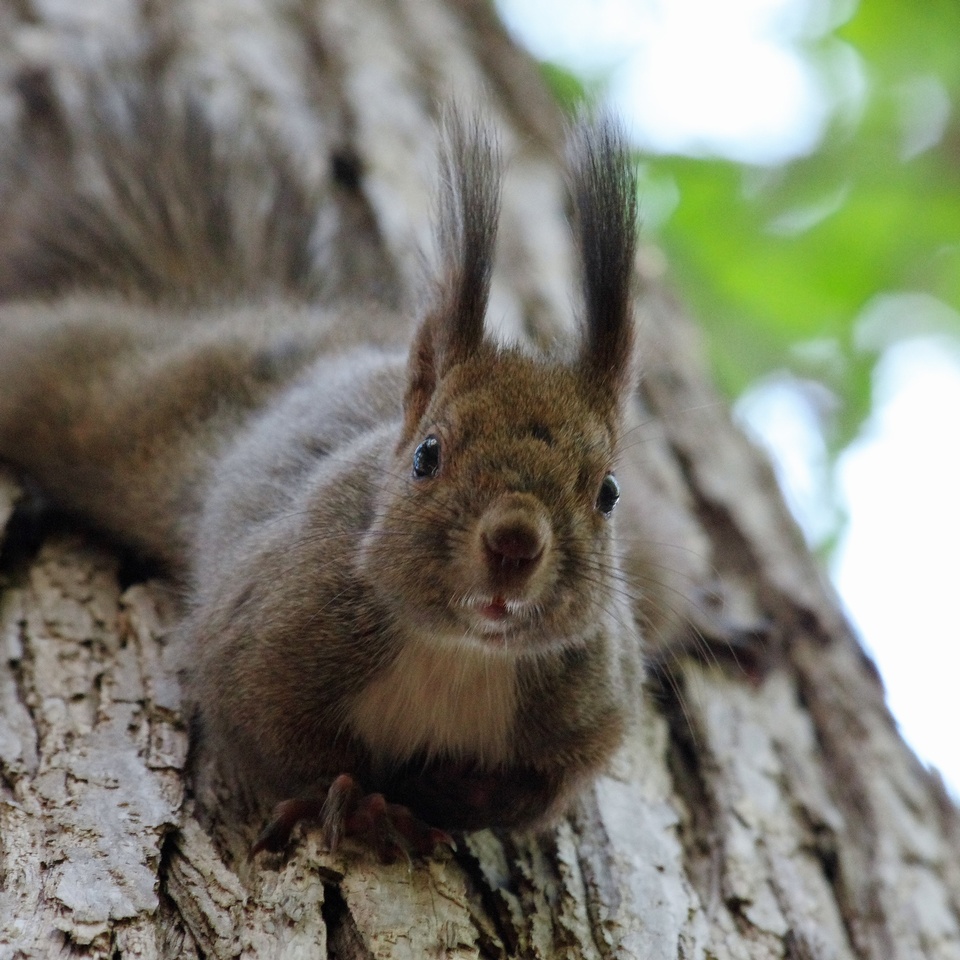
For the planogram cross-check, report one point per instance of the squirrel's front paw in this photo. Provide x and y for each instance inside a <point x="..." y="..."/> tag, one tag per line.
<point x="389" y="829"/>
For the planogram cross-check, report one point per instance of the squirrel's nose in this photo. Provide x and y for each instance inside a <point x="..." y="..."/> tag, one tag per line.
<point x="517" y="542"/>
<point x="516" y="535"/>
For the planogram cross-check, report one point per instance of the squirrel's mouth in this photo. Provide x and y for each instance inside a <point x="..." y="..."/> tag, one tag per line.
<point x="496" y="609"/>
<point x="497" y="613"/>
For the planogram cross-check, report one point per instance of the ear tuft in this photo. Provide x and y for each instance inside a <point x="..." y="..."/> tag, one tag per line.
<point x="603" y="185"/>
<point x="469" y="208"/>
<point x="471" y="171"/>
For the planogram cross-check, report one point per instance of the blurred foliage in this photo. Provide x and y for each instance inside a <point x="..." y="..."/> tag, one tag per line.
<point x="782" y="265"/>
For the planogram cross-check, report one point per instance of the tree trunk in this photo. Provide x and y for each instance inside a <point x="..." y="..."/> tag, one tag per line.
<point x="765" y="807"/>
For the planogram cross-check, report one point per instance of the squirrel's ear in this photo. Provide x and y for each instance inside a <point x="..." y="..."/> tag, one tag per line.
<point x="422" y="377"/>
<point x="452" y="331"/>
<point x="603" y="185"/>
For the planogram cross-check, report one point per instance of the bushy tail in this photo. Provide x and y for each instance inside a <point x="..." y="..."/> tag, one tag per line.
<point x="159" y="204"/>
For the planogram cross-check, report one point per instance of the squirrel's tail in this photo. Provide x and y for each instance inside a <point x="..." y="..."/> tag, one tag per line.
<point x="155" y="202"/>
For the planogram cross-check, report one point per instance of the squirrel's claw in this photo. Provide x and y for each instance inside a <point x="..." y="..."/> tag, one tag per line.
<point x="393" y="830"/>
<point x="390" y="829"/>
<point x="286" y="815"/>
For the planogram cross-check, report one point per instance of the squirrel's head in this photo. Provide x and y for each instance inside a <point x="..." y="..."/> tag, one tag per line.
<point x="494" y="524"/>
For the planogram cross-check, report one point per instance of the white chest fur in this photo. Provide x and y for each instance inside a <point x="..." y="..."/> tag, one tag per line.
<point x="439" y="698"/>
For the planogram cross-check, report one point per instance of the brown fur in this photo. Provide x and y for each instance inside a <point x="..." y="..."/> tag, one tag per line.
<point x="457" y="639"/>
<point x="162" y="210"/>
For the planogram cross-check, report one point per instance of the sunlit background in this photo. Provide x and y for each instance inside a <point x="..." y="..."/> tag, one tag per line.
<point x="802" y="170"/>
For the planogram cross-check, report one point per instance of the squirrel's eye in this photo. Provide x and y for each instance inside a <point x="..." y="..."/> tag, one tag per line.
<point x="609" y="495"/>
<point x="426" y="458"/>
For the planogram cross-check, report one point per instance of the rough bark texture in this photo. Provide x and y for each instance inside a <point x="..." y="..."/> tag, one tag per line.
<point x="766" y="808"/>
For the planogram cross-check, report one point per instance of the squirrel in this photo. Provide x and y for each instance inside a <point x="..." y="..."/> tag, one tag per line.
<point x="405" y="612"/>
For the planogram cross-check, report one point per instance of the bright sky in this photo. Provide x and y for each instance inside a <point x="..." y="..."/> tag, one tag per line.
<point x="899" y="564"/>
<point x="688" y="75"/>
<point x="700" y="75"/>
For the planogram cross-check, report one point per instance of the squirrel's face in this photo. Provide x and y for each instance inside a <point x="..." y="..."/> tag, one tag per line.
<point x="494" y="524"/>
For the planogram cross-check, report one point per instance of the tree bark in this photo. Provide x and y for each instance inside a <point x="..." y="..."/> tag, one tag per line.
<point x="766" y="805"/>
